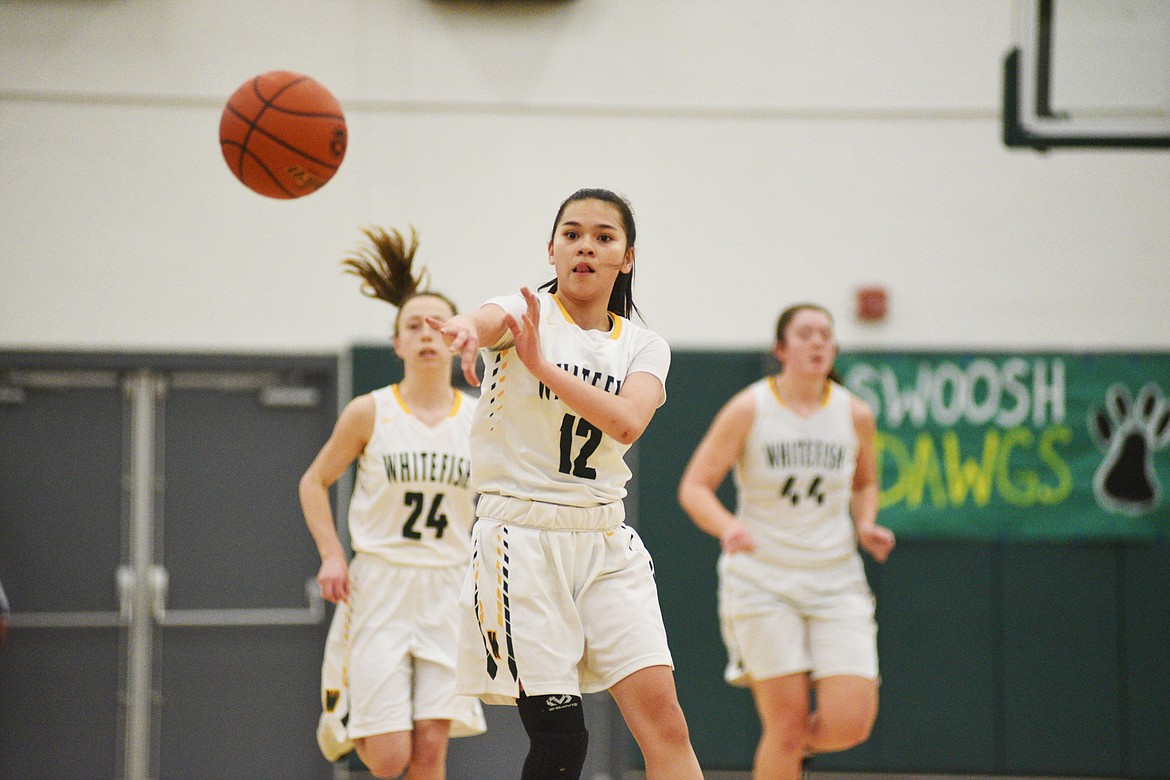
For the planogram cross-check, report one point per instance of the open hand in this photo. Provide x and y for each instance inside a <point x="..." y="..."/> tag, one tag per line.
<point x="461" y="337"/>
<point x="737" y="538"/>
<point x="525" y="333"/>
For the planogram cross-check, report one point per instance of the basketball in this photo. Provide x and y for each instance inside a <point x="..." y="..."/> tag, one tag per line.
<point x="282" y="134"/>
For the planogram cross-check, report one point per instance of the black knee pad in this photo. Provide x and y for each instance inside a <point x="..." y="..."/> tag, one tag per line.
<point x="555" y="756"/>
<point x="557" y="736"/>
<point x="557" y="712"/>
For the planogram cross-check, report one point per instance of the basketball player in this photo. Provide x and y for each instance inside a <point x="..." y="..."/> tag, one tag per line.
<point x="560" y="599"/>
<point x="410" y="521"/>
<point x="795" y="608"/>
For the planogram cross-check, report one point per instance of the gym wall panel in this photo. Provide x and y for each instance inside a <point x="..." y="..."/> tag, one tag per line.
<point x="938" y="642"/>
<point x="1145" y="661"/>
<point x="1061" y="688"/>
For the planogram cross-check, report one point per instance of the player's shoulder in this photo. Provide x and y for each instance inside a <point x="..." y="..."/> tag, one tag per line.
<point x="364" y="404"/>
<point x="861" y="412"/>
<point x="756" y="393"/>
<point x="385" y="400"/>
<point x="467" y="402"/>
<point x="743" y="406"/>
<point x="641" y="335"/>
<point x="358" y="416"/>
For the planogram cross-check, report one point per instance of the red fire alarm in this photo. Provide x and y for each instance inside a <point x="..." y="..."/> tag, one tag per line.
<point x="872" y="303"/>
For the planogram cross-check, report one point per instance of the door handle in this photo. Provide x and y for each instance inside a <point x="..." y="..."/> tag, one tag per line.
<point x="123" y="579"/>
<point x="313" y="614"/>
<point x="65" y="620"/>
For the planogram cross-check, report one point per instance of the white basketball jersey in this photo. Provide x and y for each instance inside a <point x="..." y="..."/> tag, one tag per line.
<point x="795" y="479"/>
<point x="412" y="503"/>
<point x="526" y="443"/>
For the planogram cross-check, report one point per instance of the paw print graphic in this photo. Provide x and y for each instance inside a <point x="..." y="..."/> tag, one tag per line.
<point x="1129" y="433"/>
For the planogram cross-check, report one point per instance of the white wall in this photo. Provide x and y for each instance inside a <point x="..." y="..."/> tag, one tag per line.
<point x="774" y="151"/>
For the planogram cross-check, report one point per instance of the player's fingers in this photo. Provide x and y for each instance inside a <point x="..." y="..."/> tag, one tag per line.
<point x="532" y="301"/>
<point x="456" y="341"/>
<point x="468" y="359"/>
<point x="880" y="549"/>
<point x="446" y="333"/>
<point x="327" y="591"/>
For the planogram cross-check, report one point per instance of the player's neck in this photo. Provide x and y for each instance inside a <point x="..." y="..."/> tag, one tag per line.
<point x="801" y="392"/>
<point x="587" y="315"/>
<point x="428" y="397"/>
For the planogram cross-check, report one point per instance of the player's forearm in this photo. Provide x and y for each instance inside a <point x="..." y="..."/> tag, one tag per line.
<point x="863" y="506"/>
<point x="488" y="324"/>
<point x="704" y="508"/>
<point x="620" y="418"/>
<point x="319" y="519"/>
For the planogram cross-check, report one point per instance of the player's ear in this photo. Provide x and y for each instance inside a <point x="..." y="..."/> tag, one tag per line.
<point x="628" y="261"/>
<point x="550" y="253"/>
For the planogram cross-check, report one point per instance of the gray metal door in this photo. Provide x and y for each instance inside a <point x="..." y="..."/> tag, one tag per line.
<point x="60" y="548"/>
<point x="165" y="623"/>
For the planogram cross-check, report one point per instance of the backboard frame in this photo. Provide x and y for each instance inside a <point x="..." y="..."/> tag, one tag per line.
<point x="1029" y="118"/>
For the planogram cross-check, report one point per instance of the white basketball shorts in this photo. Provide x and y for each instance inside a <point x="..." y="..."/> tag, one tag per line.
<point x="403" y="639"/>
<point x="566" y="612"/>
<point x="786" y="620"/>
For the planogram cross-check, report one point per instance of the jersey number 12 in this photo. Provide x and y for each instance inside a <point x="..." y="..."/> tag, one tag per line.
<point x="577" y="466"/>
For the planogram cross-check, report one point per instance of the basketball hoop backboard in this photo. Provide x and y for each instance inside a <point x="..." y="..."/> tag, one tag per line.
<point x="1088" y="73"/>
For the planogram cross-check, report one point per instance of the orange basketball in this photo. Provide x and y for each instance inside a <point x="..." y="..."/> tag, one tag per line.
<point x="282" y="134"/>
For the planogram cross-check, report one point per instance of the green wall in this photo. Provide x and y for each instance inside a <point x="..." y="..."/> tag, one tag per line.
<point x="997" y="657"/>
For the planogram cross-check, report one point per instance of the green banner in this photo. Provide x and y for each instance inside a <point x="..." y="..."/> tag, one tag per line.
<point x="1041" y="446"/>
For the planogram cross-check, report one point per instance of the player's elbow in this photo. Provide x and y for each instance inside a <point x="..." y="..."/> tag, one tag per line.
<point x="691" y="494"/>
<point x="627" y="436"/>
<point x="627" y="429"/>
<point x="310" y="483"/>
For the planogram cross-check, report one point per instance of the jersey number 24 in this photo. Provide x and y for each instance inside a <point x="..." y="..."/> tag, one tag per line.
<point x="436" y="518"/>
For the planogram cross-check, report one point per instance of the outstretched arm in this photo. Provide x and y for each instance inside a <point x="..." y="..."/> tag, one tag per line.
<point x="464" y="334"/>
<point x="709" y="465"/>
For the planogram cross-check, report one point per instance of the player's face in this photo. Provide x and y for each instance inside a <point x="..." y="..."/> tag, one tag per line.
<point x="416" y="341"/>
<point x="589" y="250"/>
<point x="809" y="344"/>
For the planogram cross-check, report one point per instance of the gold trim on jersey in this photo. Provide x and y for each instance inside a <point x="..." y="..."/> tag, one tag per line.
<point x="774" y="386"/>
<point x="402" y="402"/>
<point x="615" y="322"/>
